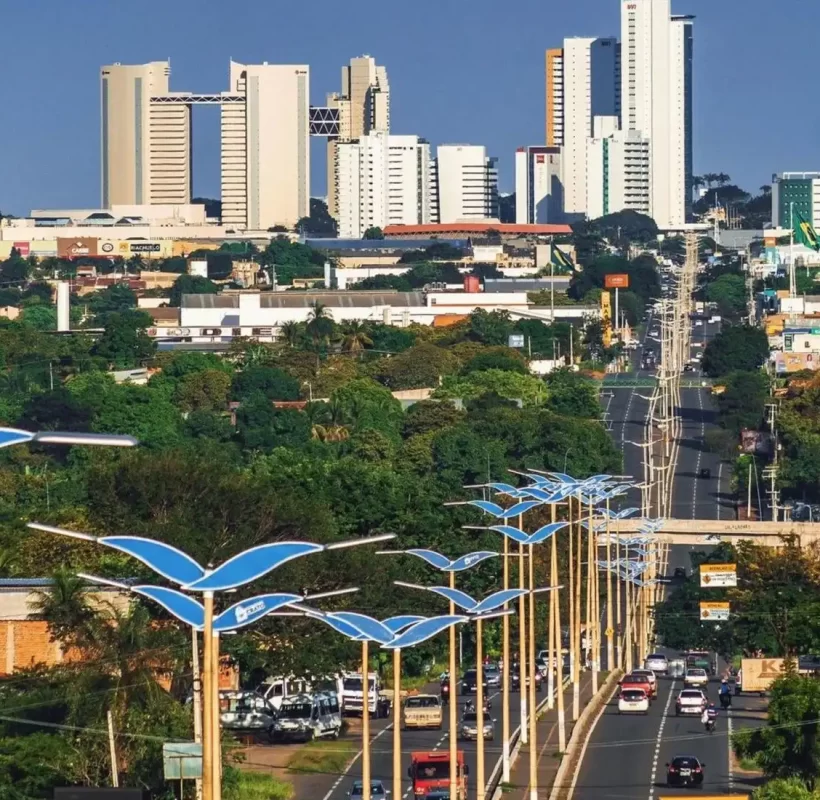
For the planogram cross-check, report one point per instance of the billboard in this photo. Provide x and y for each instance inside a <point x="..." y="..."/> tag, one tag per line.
<point x="758" y="674"/>
<point x="714" y="612"/>
<point x="24" y="248"/>
<point x="77" y="247"/>
<point x="618" y="280"/>
<point x="718" y="575"/>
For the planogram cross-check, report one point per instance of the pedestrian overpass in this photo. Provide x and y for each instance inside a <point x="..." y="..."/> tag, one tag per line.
<point x="705" y="531"/>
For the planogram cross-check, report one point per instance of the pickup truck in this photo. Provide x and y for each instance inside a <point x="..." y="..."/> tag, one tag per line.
<point x="422" y="711"/>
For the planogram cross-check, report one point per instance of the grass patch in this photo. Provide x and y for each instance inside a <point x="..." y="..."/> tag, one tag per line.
<point x="258" y="786"/>
<point x="749" y="764"/>
<point x="323" y="755"/>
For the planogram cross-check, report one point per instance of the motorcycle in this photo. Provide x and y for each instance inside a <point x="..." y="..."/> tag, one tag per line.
<point x="445" y="693"/>
<point x="726" y="700"/>
<point x="710" y="726"/>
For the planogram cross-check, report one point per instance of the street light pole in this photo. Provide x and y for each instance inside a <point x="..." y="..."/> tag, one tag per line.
<point x="532" y="720"/>
<point x="365" y="722"/>
<point x="207" y="699"/>
<point x="559" y="661"/>
<point x="610" y="649"/>
<point x="522" y="645"/>
<point x="397" y="722"/>
<point x="505" y="675"/>
<point x="215" y="726"/>
<point x="453" y="701"/>
<point x="479" y="679"/>
<point x="576" y="688"/>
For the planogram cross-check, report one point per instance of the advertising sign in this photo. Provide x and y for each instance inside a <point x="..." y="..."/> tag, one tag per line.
<point x="77" y="247"/>
<point x="181" y="761"/>
<point x="718" y="575"/>
<point x="714" y="612"/>
<point x="515" y="340"/>
<point x="616" y="281"/>
<point x="145" y="247"/>
<point x="24" y="248"/>
<point x="758" y="674"/>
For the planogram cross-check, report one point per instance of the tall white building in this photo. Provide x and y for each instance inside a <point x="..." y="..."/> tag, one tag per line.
<point x="617" y="170"/>
<point x="591" y="88"/>
<point x="466" y="183"/>
<point x="382" y="180"/>
<point x="539" y="193"/>
<point x="656" y="97"/>
<point x="364" y="107"/>
<point x="266" y="145"/>
<point x="145" y="137"/>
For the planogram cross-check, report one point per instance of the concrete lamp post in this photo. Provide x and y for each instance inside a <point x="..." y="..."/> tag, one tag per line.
<point x="179" y="568"/>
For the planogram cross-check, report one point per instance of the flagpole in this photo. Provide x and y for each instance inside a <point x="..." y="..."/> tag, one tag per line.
<point x="792" y="278"/>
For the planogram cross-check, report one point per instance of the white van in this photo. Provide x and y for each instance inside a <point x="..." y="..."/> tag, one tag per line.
<point x="303" y="717"/>
<point x="274" y="690"/>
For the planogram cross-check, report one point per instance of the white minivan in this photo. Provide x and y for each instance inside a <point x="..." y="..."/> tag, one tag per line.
<point x="303" y="717"/>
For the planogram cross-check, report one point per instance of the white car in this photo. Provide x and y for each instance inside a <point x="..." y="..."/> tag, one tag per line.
<point x="633" y="701"/>
<point x="657" y="663"/>
<point x="690" y="701"/>
<point x="698" y="323"/>
<point x="696" y="677"/>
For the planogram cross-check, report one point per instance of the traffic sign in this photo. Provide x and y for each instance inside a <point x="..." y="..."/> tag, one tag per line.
<point x="718" y="575"/>
<point x="714" y="612"/>
<point x="609" y="632"/>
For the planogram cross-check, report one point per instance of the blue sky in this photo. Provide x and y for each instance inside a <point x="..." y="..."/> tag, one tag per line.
<point x="459" y="70"/>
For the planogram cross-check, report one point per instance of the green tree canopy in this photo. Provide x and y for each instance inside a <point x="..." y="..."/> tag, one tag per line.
<point x="736" y="347"/>
<point x="571" y="394"/>
<point x="190" y="284"/>
<point x="124" y="342"/>
<point x="742" y="403"/>
<point x="418" y="367"/>
<point x="729" y="292"/>
<point x="273" y="383"/>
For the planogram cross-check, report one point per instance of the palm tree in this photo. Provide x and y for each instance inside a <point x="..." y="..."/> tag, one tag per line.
<point x="320" y="325"/>
<point x="290" y="332"/>
<point x="698" y="182"/>
<point x="766" y="189"/>
<point x="355" y="337"/>
<point x="710" y="178"/>
<point x="722" y="179"/>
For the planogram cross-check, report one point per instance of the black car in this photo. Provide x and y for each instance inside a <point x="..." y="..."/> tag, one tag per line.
<point x="706" y="473"/>
<point x="515" y="678"/>
<point x="684" y="771"/>
<point x="469" y="683"/>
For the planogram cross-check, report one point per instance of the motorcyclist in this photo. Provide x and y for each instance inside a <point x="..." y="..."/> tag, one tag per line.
<point x="725" y="694"/>
<point x="469" y="706"/>
<point x="709" y="716"/>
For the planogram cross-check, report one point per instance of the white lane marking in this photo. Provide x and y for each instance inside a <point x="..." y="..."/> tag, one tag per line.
<point x="729" y="756"/>
<point x="700" y="455"/>
<point x="354" y="760"/>
<point x="720" y="493"/>
<point x="577" y="770"/>
<point x="658" y="742"/>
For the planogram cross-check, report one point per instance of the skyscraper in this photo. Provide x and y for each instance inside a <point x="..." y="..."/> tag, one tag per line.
<point x="382" y="180"/>
<point x="656" y="77"/>
<point x="364" y="107"/>
<point x="554" y="73"/>
<point x="467" y="183"/>
<point x="266" y="145"/>
<point x="591" y="89"/>
<point x="145" y="136"/>
<point x="538" y="188"/>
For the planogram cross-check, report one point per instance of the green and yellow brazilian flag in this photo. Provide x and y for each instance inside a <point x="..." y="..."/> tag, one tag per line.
<point x="560" y="259"/>
<point x="805" y="233"/>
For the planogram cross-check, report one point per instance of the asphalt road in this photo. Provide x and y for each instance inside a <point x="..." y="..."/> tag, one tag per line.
<point x="381" y="760"/>
<point x="695" y="497"/>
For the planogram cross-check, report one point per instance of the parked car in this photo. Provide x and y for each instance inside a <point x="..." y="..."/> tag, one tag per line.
<point x="246" y="711"/>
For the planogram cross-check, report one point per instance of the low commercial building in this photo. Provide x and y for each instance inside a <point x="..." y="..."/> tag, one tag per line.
<point x="480" y="229"/>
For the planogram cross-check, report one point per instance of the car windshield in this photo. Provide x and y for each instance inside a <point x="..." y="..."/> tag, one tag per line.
<point x="432" y="770"/>
<point x="634" y="695"/>
<point x="491" y="670"/>
<point x="657" y="657"/>
<point x="470" y="716"/>
<point x="687" y="762"/>
<point x="421" y="702"/>
<point x="698" y="673"/>
<point x="691" y="695"/>
<point x="295" y="711"/>
<point x="470" y="675"/>
<point x="376" y="788"/>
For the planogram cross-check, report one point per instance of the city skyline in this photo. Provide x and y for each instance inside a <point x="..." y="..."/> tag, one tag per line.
<point x="57" y="164"/>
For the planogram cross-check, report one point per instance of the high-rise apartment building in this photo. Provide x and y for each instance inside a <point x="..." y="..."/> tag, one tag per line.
<point x="656" y="97"/>
<point x="382" y="180"/>
<point x="795" y="194"/>
<point x="363" y="106"/>
<point x="266" y="145"/>
<point x="617" y="170"/>
<point x="591" y="89"/>
<point x="538" y="188"/>
<point x="555" y="97"/>
<point x="145" y="136"/>
<point x="467" y="183"/>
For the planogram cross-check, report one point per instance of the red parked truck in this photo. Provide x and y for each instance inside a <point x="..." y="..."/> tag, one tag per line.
<point x="430" y="772"/>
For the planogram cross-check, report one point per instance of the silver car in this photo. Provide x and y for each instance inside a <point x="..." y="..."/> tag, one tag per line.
<point x="658" y="663"/>
<point x="492" y="674"/>
<point x="468" y="729"/>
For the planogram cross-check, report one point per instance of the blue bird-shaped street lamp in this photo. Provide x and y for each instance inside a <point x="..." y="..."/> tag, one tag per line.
<point x="472" y="606"/>
<point x="13" y="436"/>
<point x="441" y="562"/>
<point x="504" y="513"/>
<point x="520" y="537"/>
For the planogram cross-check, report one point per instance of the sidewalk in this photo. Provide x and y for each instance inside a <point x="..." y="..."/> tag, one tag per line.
<point x="547" y="746"/>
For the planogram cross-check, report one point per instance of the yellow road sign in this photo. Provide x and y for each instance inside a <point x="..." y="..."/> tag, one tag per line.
<point x="609" y="632"/>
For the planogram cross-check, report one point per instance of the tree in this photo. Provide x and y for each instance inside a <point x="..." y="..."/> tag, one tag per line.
<point x="736" y="347"/>
<point x="355" y="337"/>
<point x="743" y="402"/>
<point x="204" y="391"/>
<point x="788" y="746"/>
<point x="116" y="298"/>
<point x="419" y="367"/>
<point x="273" y="383"/>
<point x="490" y="327"/>
<point x="291" y="332"/>
<point x="41" y="317"/>
<point x="190" y="284"/>
<point x="15" y="269"/>
<point x="260" y="426"/>
<point x="364" y="404"/>
<point x="319" y="223"/>
<point x="785" y="789"/>
<point x="729" y="292"/>
<point x="625" y="227"/>
<point x="373" y="233"/>
<point x="320" y="325"/>
<point x="124" y="342"/>
<point x="497" y="358"/>
<point x="429" y="416"/>
<point x="571" y="394"/>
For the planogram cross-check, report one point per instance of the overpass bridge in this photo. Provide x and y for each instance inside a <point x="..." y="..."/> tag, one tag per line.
<point x="704" y="531"/>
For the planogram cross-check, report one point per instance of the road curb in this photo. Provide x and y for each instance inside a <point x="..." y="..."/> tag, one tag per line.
<point x="562" y="787"/>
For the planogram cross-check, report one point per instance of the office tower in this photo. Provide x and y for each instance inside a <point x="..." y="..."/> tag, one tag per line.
<point x="617" y="170"/>
<point x="538" y="189"/>
<point x="555" y="97"/>
<point x="467" y="183"/>
<point x="364" y="107"/>
<point x="266" y="145"/>
<point x="591" y="88"/>
<point x="145" y="136"/>
<point x="656" y="91"/>
<point x="795" y="194"/>
<point x="382" y="180"/>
